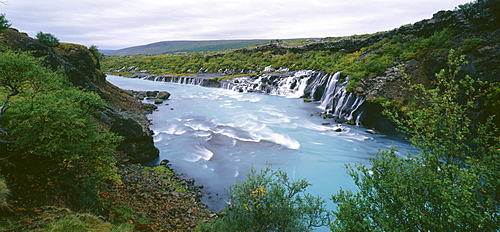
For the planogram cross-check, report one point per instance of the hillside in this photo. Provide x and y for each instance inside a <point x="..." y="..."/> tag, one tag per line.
<point x="69" y="144"/>
<point x="372" y="62"/>
<point x="167" y="47"/>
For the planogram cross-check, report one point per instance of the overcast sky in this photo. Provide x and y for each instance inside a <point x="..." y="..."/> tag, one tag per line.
<point x="114" y="24"/>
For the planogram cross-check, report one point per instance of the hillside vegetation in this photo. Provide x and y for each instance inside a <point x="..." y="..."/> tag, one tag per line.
<point x="68" y="140"/>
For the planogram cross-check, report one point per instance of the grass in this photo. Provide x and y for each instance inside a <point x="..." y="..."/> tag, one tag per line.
<point x="55" y="219"/>
<point x="84" y="222"/>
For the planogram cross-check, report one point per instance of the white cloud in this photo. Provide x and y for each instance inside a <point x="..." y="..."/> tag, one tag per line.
<point x="113" y="24"/>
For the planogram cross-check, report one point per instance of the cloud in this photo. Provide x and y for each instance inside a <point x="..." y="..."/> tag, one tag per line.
<point x="113" y="24"/>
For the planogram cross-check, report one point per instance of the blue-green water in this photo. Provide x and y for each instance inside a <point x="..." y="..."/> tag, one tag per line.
<point x="215" y="136"/>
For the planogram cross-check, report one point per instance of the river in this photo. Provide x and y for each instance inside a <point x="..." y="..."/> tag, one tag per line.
<point x="215" y="136"/>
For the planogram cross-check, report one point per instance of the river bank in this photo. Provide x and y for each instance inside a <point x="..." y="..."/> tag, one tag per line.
<point x="147" y="198"/>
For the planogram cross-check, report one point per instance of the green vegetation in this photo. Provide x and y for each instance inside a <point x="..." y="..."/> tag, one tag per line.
<point x="466" y="6"/>
<point x="51" y="218"/>
<point x="45" y="121"/>
<point x="48" y="136"/>
<point x="270" y="201"/>
<point x="4" y="23"/>
<point x="452" y="185"/>
<point x="94" y="49"/>
<point x="47" y="39"/>
<point x="369" y="61"/>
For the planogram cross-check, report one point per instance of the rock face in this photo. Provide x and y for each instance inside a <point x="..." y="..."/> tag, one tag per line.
<point x="137" y="136"/>
<point x="124" y="115"/>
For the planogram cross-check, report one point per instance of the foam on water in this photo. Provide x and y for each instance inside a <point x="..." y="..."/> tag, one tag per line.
<point x="215" y="136"/>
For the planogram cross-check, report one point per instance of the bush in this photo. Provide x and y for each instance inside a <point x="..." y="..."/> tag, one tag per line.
<point x="4" y="23"/>
<point x="270" y="201"/>
<point x="94" y="49"/>
<point x="47" y="39"/>
<point x="49" y="123"/>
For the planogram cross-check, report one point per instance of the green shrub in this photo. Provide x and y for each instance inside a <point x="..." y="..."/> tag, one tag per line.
<point x="47" y="39"/>
<point x="50" y="122"/>
<point x="270" y="201"/>
<point x="472" y="43"/>
<point x="94" y="49"/>
<point x="4" y="23"/>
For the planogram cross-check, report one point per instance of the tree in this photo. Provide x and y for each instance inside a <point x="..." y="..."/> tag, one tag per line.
<point x="270" y="201"/>
<point x="94" y="49"/>
<point x="49" y="127"/>
<point x="47" y="39"/>
<point x="453" y="183"/>
<point x="4" y="23"/>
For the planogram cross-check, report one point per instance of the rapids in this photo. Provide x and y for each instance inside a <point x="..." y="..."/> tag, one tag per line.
<point x="216" y="135"/>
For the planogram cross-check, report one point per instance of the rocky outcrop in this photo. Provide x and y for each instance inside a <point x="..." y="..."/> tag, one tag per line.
<point x="124" y="115"/>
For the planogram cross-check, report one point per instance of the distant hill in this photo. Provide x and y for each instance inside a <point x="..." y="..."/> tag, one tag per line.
<point x="166" y="47"/>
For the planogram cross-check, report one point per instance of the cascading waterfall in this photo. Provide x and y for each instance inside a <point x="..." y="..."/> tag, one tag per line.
<point x="338" y="102"/>
<point x="327" y="90"/>
<point x="287" y="84"/>
<point x="292" y="87"/>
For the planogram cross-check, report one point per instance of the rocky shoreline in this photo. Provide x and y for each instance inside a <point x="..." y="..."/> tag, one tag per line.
<point x="149" y="197"/>
<point x="160" y="199"/>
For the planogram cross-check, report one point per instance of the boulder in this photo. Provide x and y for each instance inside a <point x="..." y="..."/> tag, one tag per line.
<point x="138" y="141"/>
<point x="158" y="101"/>
<point x="152" y="94"/>
<point x="163" y="95"/>
<point x="337" y="129"/>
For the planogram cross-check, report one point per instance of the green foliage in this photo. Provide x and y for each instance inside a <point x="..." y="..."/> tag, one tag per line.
<point x="83" y="222"/>
<point x="452" y="185"/>
<point x="4" y="23"/>
<point x="369" y="61"/>
<point x="466" y="6"/>
<point x="94" y="49"/>
<point x="50" y="121"/>
<point x="47" y="39"/>
<point x="270" y="201"/>
<point x="472" y="43"/>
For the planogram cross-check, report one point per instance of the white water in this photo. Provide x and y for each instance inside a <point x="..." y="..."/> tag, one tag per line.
<point x="216" y="135"/>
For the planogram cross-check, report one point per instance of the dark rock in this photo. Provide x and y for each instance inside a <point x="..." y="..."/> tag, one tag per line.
<point x="163" y="95"/>
<point x="138" y="142"/>
<point x="152" y="94"/>
<point x="158" y="101"/>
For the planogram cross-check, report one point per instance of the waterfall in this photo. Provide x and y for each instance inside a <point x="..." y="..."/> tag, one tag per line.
<point x="287" y="84"/>
<point x="315" y="88"/>
<point x="325" y="89"/>
<point x="189" y="80"/>
<point x="338" y="102"/>
<point x="333" y="89"/>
